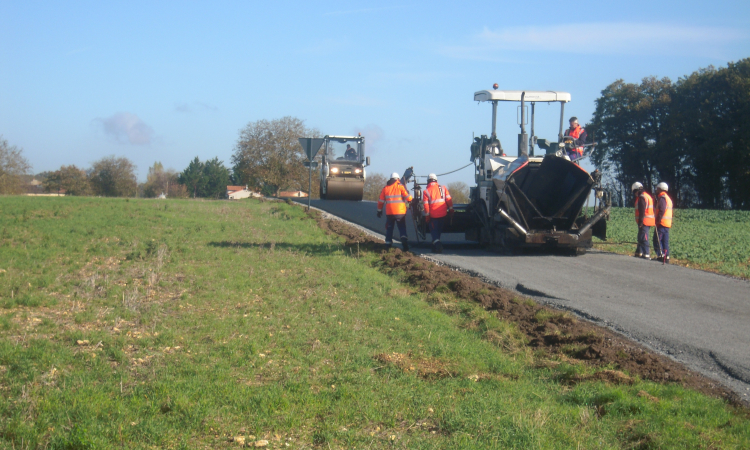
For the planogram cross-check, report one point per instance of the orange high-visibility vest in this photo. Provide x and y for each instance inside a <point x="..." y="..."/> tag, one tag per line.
<point x="666" y="218"/>
<point x="575" y="134"/>
<point x="395" y="197"/>
<point x="649" y="219"/>
<point x="437" y="200"/>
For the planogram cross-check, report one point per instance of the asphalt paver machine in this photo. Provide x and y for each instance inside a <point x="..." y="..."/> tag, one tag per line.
<point x="533" y="199"/>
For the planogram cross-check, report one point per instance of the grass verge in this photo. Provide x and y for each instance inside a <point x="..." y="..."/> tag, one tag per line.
<point x="189" y="324"/>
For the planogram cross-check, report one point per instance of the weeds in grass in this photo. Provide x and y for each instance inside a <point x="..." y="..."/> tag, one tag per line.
<point x="243" y="319"/>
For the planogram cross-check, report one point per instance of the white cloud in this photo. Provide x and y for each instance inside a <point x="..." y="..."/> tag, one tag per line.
<point x="127" y="128"/>
<point x="600" y="38"/>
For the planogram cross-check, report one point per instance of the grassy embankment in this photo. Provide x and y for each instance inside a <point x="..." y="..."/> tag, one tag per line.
<point x="717" y="241"/>
<point x="177" y="324"/>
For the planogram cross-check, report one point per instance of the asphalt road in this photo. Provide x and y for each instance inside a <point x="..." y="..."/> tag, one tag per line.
<point x="698" y="318"/>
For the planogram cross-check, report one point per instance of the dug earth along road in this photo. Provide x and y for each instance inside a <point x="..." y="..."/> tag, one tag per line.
<point x="698" y="318"/>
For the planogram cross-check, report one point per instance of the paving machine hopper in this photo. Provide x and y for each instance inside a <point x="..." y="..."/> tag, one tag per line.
<point x="342" y="169"/>
<point x="527" y="200"/>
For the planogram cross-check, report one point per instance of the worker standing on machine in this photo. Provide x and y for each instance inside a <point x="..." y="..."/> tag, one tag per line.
<point x="663" y="219"/>
<point x="396" y="199"/>
<point x="644" y="218"/>
<point x="437" y="204"/>
<point x="579" y="136"/>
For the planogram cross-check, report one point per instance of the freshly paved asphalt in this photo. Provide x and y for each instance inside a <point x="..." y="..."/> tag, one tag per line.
<point x="698" y="318"/>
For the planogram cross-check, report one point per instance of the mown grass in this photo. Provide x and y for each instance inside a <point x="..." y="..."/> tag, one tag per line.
<point x="181" y="324"/>
<point x="718" y="241"/>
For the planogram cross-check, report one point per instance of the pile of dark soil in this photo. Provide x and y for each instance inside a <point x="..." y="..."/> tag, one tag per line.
<point x="548" y="330"/>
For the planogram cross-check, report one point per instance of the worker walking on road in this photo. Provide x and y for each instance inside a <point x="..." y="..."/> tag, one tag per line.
<point x="396" y="199"/>
<point x="644" y="218"/>
<point x="663" y="220"/>
<point x="437" y="204"/>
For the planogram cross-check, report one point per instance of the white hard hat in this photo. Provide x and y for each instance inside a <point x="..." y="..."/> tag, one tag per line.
<point x="431" y="176"/>
<point x="636" y="186"/>
<point x="395" y="176"/>
<point x="662" y="186"/>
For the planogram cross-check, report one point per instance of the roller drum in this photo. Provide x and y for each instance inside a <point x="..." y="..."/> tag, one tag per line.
<point x="345" y="189"/>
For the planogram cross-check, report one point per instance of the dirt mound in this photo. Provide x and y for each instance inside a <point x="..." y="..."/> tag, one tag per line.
<point x="548" y="330"/>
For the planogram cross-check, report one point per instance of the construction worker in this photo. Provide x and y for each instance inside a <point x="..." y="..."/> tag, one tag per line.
<point x="644" y="218"/>
<point x="350" y="154"/>
<point x="396" y="199"/>
<point x="663" y="219"/>
<point x="579" y="136"/>
<point x="437" y="204"/>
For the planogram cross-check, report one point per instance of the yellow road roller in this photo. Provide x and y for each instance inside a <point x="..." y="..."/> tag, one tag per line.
<point x="342" y="168"/>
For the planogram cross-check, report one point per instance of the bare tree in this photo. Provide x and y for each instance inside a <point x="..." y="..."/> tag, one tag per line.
<point x="70" y="179"/>
<point x="268" y="155"/>
<point x="12" y="168"/>
<point x="374" y="183"/>
<point x="160" y="181"/>
<point x="113" y="177"/>
<point x="459" y="191"/>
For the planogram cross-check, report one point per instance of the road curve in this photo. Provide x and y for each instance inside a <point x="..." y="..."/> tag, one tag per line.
<point x="698" y="318"/>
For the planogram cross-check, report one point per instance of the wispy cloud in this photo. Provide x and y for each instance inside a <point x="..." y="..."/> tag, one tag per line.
<point x="374" y="136"/>
<point x="363" y="10"/>
<point x="194" y="106"/>
<point x="126" y="128"/>
<point x="600" y="38"/>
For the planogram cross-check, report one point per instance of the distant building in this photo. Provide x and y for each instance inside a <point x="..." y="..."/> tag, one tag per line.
<point x="288" y="194"/>
<point x="238" y="192"/>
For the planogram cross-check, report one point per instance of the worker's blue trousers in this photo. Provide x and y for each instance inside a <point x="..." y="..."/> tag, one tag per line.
<point x="390" y="221"/>
<point x="663" y="234"/>
<point x="436" y="228"/>
<point x="643" y="247"/>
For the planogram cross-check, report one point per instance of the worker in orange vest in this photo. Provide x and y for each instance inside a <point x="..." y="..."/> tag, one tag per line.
<point x="663" y="219"/>
<point x="579" y="136"/>
<point x="396" y="199"/>
<point x="437" y="204"/>
<point x="644" y="218"/>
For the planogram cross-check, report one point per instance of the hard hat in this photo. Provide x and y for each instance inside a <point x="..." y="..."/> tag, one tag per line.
<point x="662" y="186"/>
<point x="395" y="176"/>
<point x="636" y="186"/>
<point x="431" y="176"/>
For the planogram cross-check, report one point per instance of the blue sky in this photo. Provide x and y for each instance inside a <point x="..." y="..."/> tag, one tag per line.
<point x="168" y="81"/>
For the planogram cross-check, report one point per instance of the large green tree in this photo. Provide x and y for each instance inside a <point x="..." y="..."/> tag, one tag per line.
<point x="206" y="179"/>
<point x="113" y="177"/>
<point x="70" y="179"/>
<point x="268" y="155"/>
<point x="13" y="166"/>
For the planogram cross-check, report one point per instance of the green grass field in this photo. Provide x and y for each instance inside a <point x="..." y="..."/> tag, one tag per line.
<point x="198" y="324"/>
<point x="718" y="241"/>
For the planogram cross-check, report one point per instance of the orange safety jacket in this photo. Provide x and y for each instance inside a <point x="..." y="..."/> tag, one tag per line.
<point x="575" y="134"/>
<point x="395" y="197"/>
<point x="666" y="215"/>
<point x="649" y="219"/>
<point x="437" y="200"/>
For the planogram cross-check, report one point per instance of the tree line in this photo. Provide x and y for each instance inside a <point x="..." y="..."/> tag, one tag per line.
<point x="693" y="134"/>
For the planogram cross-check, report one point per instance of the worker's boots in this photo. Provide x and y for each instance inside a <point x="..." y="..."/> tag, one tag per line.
<point x="405" y="243"/>
<point x="437" y="247"/>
